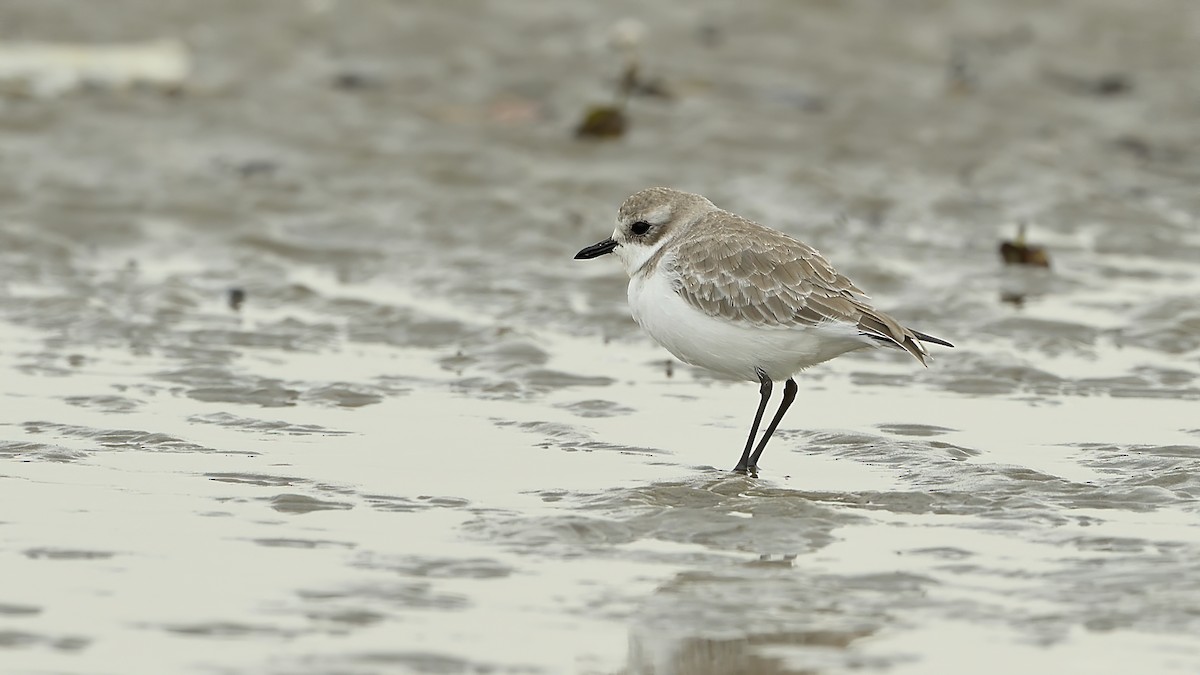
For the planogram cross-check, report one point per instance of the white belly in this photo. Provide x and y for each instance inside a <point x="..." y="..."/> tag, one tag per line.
<point x="731" y="348"/>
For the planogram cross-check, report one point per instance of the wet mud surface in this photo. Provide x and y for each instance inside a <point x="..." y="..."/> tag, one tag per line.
<point x="297" y="374"/>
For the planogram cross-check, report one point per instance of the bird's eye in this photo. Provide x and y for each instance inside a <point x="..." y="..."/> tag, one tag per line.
<point x="640" y="227"/>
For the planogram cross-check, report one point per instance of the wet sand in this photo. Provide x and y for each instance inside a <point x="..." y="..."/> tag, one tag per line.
<point x="426" y="440"/>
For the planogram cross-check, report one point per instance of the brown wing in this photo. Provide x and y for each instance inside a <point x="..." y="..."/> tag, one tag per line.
<point x="733" y="268"/>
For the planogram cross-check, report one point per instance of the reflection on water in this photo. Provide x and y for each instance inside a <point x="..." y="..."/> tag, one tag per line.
<point x="297" y="373"/>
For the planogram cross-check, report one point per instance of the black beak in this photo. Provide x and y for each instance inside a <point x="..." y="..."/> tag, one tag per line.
<point x="597" y="250"/>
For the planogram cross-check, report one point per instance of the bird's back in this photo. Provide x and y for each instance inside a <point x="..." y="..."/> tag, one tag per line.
<point x="734" y="269"/>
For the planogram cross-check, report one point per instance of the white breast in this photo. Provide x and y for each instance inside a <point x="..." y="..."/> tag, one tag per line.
<point x="728" y="347"/>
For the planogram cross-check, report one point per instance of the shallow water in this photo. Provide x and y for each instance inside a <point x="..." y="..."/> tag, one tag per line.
<point x="429" y="441"/>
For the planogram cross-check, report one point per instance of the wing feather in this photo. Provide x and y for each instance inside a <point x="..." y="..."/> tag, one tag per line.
<point x="735" y="269"/>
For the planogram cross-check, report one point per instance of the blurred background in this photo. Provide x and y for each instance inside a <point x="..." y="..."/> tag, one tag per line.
<point x="297" y="373"/>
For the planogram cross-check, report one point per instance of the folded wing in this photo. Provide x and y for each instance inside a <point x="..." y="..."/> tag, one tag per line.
<point x="742" y="271"/>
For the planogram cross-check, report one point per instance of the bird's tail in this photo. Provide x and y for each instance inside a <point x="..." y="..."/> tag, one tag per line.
<point x="929" y="338"/>
<point x="881" y="327"/>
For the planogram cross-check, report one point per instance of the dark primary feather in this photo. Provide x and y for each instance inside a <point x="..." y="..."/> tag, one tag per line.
<point x="929" y="338"/>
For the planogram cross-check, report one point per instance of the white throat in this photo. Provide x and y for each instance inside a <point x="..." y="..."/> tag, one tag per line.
<point x="634" y="256"/>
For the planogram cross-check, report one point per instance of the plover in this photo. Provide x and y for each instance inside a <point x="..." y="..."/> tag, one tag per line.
<point x="724" y="293"/>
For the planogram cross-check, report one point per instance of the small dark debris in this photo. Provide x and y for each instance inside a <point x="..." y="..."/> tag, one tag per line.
<point x="1111" y="84"/>
<point x="256" y="167"/>
<point x="603" y="121"/>
<point x="1135" y="145"/>
<point x="1015" y="299"/>
<point x="249" y="168"/>
<point x="960" y="79"/>
<point x="1147" y="150"/>
<point x="1108" y="84"/>
<point x="633" y="83"/>
<point x="611" y="121"/>
<point x="1019" y="252"/>
<point x="237" y="297"/>
<point x="352" y="81"/>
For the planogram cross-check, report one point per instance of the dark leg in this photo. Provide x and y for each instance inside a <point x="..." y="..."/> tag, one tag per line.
<point x="764" y="391"/>
<point x="789" y="395"/>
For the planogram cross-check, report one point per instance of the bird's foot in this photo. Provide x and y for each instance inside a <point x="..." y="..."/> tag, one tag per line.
<point x="751" y="471"/>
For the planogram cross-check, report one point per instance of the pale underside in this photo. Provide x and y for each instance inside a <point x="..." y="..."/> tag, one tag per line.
<point x="745" y="275"/>
<point x="737" y="349"/>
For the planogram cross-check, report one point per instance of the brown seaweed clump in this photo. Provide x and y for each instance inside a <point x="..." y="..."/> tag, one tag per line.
<point x="611" y="120"/>
<point x="1020" y="252"/>
<point x="603" y="121"/>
